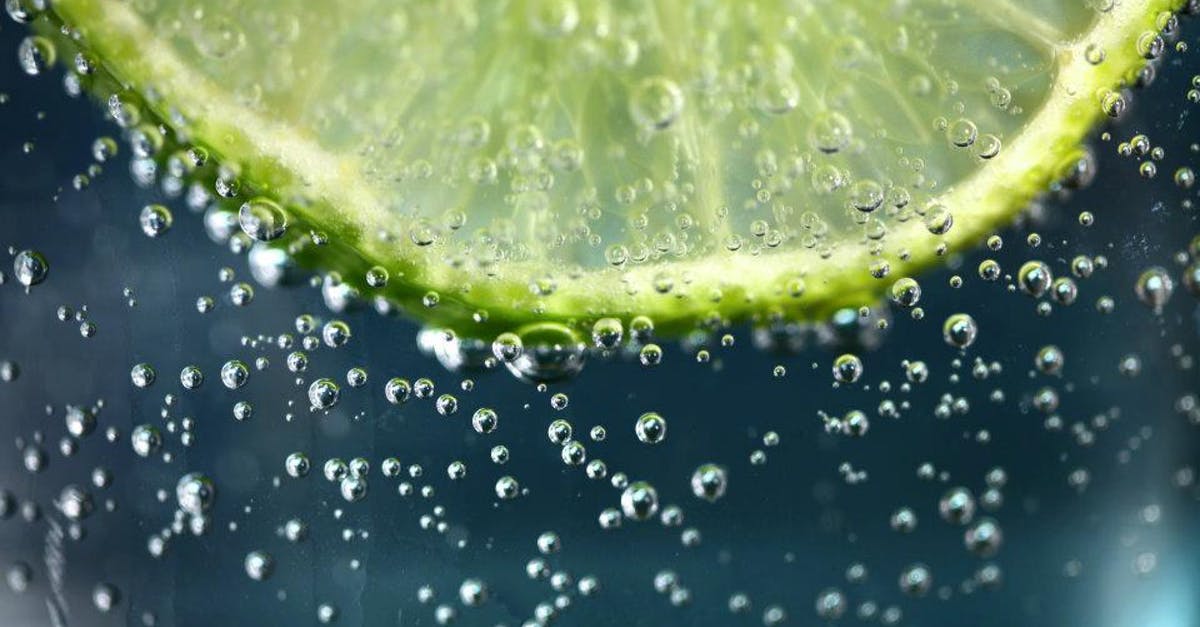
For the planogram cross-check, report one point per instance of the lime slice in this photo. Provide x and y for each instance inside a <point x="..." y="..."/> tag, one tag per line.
<point x="489" y="164"/>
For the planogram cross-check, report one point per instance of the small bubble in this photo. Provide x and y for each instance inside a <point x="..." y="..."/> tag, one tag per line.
<point x="323" y="394"/>
<point x="709" y="482"/>
<point x="142" y="375"/>
<point x="847" y="368"/>
<point x="651" y="428"/>
<point x="1154" y="288"/>
<point x="656" y="103"/>
<point x="959" y="330"/>
<point x="30" y="267"/>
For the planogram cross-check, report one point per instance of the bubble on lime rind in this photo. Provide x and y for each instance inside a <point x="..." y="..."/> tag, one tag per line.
<point x="24" y="11"/>
<point x="262" y="219"/>
<point x="550" y="352"/>
<point x="454" y="353"/>
<point x="36" y="54"/>
<point x="656" y="103"/>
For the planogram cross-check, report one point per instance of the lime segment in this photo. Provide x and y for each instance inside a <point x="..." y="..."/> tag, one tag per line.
<point x="519" y="161"/>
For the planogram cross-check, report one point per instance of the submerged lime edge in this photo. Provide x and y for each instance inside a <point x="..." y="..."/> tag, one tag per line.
<point x="272" y="155"/>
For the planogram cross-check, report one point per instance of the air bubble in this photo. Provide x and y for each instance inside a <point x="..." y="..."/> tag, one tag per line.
<point x="262" y="219"/>
<point x="657" y="102"/>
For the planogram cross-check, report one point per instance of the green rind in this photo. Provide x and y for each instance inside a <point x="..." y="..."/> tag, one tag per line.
<point x="725" y="288"/>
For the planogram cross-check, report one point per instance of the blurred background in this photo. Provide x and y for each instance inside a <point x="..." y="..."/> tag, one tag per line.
<point x="1099" y="507"/>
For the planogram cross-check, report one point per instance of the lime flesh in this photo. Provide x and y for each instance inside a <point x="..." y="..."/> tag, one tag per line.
<point x="521" y="161"/>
